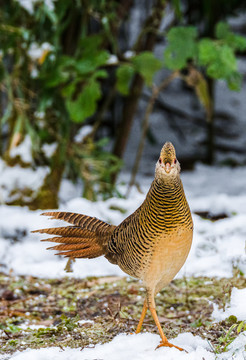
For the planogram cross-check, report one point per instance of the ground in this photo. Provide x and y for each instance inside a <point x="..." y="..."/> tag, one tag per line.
<point x="38" y="313"/>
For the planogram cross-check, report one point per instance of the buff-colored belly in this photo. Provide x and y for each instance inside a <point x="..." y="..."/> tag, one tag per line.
<point x="167" y="259"/>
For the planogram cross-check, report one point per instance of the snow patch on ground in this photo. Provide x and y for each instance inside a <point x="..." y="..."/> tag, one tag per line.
<point x="139" y="347"/>
<point x="16" y="177"/>
<point x="24" y="150"/>
<point x="237" y="306"/>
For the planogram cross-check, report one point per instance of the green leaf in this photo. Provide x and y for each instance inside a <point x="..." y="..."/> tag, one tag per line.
<point x="13" y="328"/>
<point x="55" y="78"/>
<point x="124" y="75"/>
<point x="86" y="103"/>
<point x="181" y="47"/>
<point x="91" y="61"/>
<point x="234" y="81"/>
<point x="147" y="65"/>
<point x="69" y="90"/>
<point x="207" y="51"/>
<point x="241" y="325"/>
<point x="223" y="32"/>
<point x="220" y="62"/>
<point x="58" y="72"/>
<point x="100" y="74"/>
<point x="92" y="55"/>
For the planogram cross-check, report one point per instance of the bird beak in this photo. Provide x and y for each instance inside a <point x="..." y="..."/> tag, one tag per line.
<point x="167" y="168"/>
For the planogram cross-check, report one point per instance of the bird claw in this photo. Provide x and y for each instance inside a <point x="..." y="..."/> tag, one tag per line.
<point x="168" y="344"/>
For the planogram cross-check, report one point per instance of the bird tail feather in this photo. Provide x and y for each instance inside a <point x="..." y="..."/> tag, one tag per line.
<point x="82" y="240"/>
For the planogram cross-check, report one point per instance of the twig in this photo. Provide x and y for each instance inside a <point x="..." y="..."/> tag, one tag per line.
<point x="145" y="125"/>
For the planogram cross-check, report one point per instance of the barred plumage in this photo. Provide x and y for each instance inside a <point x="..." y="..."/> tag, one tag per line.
<point x="152" y="244"/>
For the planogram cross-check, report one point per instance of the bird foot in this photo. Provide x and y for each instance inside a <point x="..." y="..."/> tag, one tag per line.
<point x="168" y="344"/>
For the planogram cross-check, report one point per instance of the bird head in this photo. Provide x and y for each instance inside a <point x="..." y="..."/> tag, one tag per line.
<point x="167" y="164"/>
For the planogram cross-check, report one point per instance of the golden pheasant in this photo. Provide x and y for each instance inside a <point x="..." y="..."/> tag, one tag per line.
<point x="151" y="244"/>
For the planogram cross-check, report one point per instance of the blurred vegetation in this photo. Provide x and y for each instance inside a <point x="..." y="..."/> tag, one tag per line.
<point x="65" y="65"/>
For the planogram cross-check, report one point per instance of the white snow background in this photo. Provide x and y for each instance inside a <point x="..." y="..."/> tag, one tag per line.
<point x="217" y="248"/>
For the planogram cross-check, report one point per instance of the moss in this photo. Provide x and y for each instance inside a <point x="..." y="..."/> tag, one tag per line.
<point x="113" y="305"/>
<point x="13" y="161"/>
<point x="47" y="196"/>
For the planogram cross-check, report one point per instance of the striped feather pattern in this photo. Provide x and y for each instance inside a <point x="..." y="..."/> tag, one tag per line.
<point x="85" y="239"/>
<point x="83" y="221"/>
<point x="164" y="210"/>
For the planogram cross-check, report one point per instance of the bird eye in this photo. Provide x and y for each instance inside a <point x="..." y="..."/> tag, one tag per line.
<point x="175" y="160"/>
<point x="160" y="161"/>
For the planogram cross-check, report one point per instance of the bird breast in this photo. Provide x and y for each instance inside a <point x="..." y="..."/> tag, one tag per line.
<point x="167" y="258"/>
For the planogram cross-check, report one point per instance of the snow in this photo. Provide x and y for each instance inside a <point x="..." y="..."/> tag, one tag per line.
<point x="31" y="326"/>
<point x="129" y="54"/>
<point x="112" y="60"/>
<point x="236" y="307"/>
<point x="16" y="177"/>
<point x="139" y="347"/>
<point x="39" y="114"/>
<point x="49" y="149"/>
<point x="82" y="133"/>
<point x="24" y="150"/>
<point x="28" y="5"/>
<point x="36" y="51"/>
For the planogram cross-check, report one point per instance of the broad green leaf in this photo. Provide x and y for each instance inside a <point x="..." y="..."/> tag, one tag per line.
<point x="124" y="75"/>
<point x="147" y="65"/>
<point x="69" y="90"/>
<point x="91" y="61"/>
<point x="220" y="62"/>
<point x="86" y="103"/>
<point x="207" y="51"/>
<point x="223" y="32"/>
<point x="181" y="47"/>
<point x="219" y="59"/>
<point x="228" y="58"/>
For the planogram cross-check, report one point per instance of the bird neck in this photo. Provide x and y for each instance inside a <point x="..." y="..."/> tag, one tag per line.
<point x="166" y="200"/>
<point x="167" y="194"/>
<point x="168" y="184"/>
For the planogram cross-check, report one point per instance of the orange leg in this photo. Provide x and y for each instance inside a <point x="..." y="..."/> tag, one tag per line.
<point x="164" y="341"/>
<point x="145" y="308"/>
